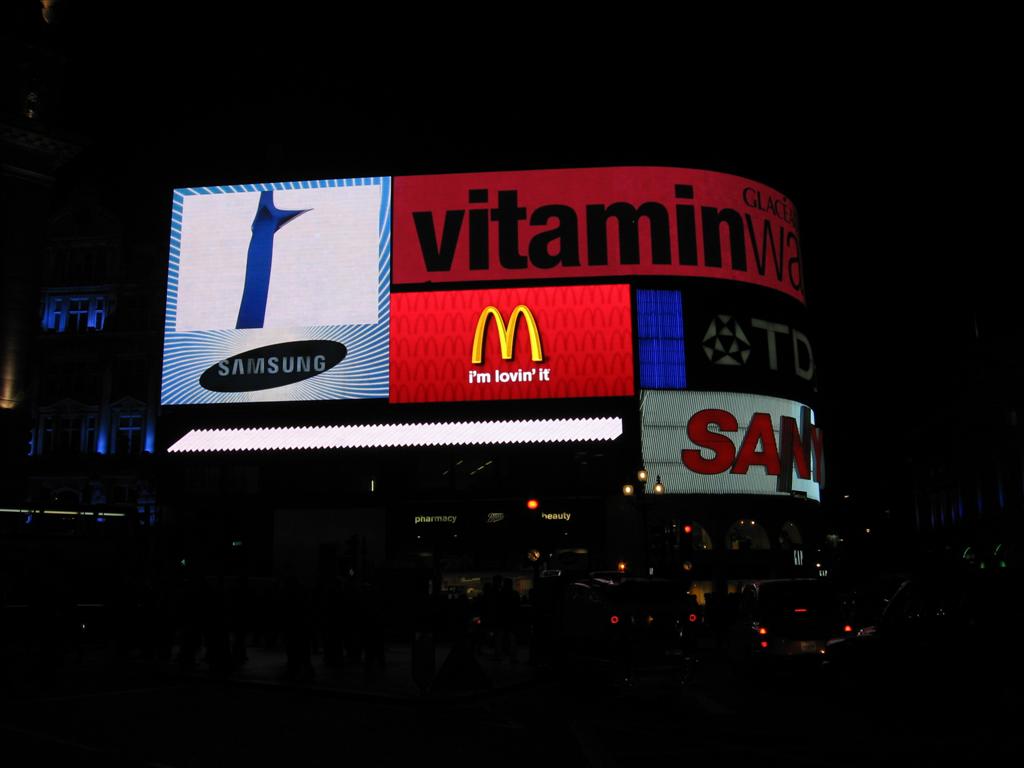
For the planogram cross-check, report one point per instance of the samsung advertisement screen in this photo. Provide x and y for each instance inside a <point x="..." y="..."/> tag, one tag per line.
<point x="278" y="292"/>
<point x="729" y="442"/>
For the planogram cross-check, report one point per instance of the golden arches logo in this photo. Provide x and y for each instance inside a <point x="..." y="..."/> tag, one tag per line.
<point x="507" y="333"/>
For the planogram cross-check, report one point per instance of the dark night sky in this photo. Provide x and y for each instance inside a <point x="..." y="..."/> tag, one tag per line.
<point x="888" y="154"/>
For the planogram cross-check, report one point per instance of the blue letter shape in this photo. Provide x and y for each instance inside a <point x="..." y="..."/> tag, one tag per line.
<point x="261" y="254"/>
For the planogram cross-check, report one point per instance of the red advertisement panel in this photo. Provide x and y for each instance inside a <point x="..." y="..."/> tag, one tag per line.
<point x="511" y="344"/>
<point x="563" y="224"/>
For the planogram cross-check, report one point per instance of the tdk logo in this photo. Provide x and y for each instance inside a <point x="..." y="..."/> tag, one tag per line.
<point x="726" y="343"/>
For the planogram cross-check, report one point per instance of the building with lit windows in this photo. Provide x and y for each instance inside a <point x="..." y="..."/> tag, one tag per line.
<point x="498" y="338"/>
<point x="382" y="371"/>
<point x="79" y="341"/>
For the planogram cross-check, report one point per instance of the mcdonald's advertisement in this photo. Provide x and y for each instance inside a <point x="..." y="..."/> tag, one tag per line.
<point x="278" y="292"/>
<point x="511" y="344"/>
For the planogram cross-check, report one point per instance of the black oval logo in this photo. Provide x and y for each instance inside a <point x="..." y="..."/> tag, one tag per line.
<point x="273" y="366"/>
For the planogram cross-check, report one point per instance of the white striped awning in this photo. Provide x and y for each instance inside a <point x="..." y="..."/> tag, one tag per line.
<point x="401" y="435"/>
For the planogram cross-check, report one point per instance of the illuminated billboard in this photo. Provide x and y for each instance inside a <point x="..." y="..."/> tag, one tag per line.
<point x="511" y="344"/>
<point x="660" y="338"/>
<point x="726" y="442"/>
<point x="505" y="432"/>
<point x="595" y="222"/>
<point x="278" y="292"/>
<point x="740" y="340"/>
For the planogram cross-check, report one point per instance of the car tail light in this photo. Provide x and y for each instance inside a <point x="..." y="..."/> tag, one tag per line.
<point x="799" y="610"/>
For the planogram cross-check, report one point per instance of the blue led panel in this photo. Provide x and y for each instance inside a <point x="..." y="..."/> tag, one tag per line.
<point x="659" y="317"/>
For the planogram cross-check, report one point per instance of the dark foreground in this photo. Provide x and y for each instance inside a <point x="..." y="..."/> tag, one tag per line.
<point x="100" y="711"/>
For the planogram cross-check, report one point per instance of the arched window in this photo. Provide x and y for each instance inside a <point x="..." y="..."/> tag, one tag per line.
<point x="789" y="536"/>
<point x="747" y="535"/>
<point x="698" y="535"/>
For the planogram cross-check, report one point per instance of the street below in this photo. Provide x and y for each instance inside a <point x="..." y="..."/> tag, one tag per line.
<point x="155" y="715"/>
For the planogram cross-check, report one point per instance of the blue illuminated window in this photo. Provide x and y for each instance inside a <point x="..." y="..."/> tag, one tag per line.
<point x="129" y="432"/>
<point x="65" y="428"/>
<point x="659" y="317"/>
<point x="45" y="443"/>
<point x="75" y="313"/>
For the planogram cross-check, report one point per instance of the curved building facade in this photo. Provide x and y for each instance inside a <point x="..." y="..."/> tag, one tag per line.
<point x="399" y="364"/>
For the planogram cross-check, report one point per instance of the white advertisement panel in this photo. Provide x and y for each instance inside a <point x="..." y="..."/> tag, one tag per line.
<point x="279" y="292"/>
<point x="731" y="443"/>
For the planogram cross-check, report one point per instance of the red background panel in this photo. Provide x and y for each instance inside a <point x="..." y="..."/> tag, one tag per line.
<point x="769" y="223"/>
<point x="585" y="331"/>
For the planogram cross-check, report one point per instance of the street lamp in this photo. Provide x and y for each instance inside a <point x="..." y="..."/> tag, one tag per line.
<point x="640" y="490"/>
<point x="628" y="489"/>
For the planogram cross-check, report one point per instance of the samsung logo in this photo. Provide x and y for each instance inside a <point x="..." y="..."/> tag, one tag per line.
<point x="252" y="365"/>
<point x="273" y="366"/>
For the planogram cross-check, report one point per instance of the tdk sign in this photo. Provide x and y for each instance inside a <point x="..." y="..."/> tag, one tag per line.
<point x="279" y="292"/>
<point x="700" y="342"/>
<point x="726" y="343"/>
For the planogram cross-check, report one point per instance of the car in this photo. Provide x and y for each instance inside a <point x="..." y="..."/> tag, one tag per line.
<point x="948" y="626"/>
<point x="785" y="622"/>
<point x="625" y="630"/>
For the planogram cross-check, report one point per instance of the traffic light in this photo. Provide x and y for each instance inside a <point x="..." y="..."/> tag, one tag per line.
<point x="686" y="545"/>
